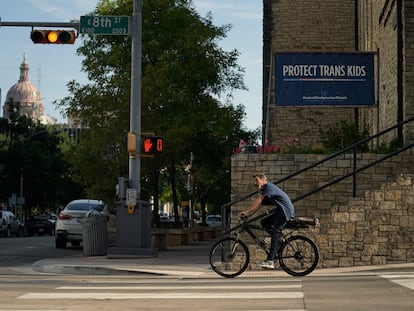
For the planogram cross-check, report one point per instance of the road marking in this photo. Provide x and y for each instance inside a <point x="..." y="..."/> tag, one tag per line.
<point x="406" y="280"/>
<point x="173" y="290"/>
<point x="191" y="287"/>
<point x="165" y="295"/>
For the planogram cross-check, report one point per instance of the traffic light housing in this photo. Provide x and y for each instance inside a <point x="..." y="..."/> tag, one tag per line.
<point x="153" y="144"/>
<point x="132" y="144"/>
<point x="48" y="36"/>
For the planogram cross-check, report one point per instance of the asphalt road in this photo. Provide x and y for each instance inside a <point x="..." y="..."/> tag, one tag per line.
<point x="20" y="251"/>
<point x="22" y="288"/>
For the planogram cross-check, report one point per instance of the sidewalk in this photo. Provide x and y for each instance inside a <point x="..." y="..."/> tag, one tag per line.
<point x="189" y="261"/>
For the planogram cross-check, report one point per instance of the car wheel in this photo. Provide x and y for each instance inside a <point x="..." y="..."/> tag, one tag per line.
<point x="60" y="243"/>
<point x="8" y="232"/>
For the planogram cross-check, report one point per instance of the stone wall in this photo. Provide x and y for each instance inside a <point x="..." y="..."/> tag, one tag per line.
<point x="277" y="166"/>
<point x="375" y="227"/>
<point x="374" y="230"/>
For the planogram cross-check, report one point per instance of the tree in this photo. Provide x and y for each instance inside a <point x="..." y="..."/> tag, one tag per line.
<point x="183" y="71"/>
<point x="32" y="165"/>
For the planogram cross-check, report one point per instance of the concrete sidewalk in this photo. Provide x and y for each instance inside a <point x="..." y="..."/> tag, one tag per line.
<point x="188" y="261"/>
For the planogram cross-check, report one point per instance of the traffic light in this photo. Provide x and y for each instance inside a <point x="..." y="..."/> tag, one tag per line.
<point x="153" y="144"/>
<point x="132" y="144"/>
<point x="53" y="36"/>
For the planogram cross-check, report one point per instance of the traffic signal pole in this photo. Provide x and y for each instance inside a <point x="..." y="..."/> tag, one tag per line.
<point x="74" y="25"/>
<point x="135" y="100"/>
<point x="133" y="235"/>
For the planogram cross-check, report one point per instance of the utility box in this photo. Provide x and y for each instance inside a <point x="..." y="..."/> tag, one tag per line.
<point x="133" y="231"/>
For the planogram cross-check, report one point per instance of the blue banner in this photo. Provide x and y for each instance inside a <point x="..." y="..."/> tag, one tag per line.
<point x="324" y="79"/>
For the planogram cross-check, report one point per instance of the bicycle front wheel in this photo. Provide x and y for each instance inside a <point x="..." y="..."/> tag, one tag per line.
<point x="229" y="257"/>
<point x="298" y="255"/>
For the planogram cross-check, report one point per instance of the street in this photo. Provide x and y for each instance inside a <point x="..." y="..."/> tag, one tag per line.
<point x="21" y="288"/>
<point x="71" y="292"/>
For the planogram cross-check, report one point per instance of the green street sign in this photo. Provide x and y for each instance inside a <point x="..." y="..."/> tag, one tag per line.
<point x="104" y="25"/>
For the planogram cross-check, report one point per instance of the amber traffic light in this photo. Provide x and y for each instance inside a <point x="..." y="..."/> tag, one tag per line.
<point x="53" y="36"/>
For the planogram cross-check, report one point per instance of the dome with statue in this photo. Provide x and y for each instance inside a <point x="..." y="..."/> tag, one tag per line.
<point x="24" y="96"/>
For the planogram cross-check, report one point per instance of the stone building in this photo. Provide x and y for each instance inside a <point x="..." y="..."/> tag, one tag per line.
<point x="25" y="98"/>
<point x="384" y="27"/>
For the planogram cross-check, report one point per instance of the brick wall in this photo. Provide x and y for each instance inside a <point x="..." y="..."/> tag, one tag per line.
<point x="408" y="82"/>
<point x="337" y="25"/>
<point x="303" y="25"/>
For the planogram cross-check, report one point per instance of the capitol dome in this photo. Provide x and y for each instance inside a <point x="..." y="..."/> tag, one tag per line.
<point x="24" y="95"/>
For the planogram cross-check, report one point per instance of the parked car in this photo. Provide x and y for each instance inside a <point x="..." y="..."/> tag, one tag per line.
<point x="9" y="224"/>
<point x="213" y="220"/>
<point x="39" y="224"/>
<point x="69" y="222"/>
<point x="164" y="218"/>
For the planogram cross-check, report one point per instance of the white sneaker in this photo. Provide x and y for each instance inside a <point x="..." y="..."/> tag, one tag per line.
<point x="268" y="264"/>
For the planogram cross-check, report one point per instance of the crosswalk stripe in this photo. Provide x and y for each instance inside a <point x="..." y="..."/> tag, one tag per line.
<point x="165" y="295"/>
<point x="190" y="287"/>
<point x="406" y="280"/>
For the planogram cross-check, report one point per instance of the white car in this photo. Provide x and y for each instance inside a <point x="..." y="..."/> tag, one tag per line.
<point x="69" y="221"/>
<point x="213" y="220"/>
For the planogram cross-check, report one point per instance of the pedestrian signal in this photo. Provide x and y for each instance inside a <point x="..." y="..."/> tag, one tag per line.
<point x="53" y="36"/>
<point x="153" y="144"/>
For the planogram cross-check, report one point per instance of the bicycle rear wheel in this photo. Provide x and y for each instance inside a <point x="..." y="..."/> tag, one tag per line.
<point x="229" y="257"/>
<point x="298" y="255"/>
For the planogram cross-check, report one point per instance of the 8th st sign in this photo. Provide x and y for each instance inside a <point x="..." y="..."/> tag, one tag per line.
<point x="104" y="25"/>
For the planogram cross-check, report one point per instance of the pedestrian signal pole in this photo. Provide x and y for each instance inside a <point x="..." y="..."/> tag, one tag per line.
<point x="135" y="102"/>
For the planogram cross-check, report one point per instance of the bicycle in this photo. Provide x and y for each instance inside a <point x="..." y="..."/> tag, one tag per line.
<point x="298" y="255"/>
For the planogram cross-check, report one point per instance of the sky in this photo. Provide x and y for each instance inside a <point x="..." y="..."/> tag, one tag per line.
<point x="53" y="66"/>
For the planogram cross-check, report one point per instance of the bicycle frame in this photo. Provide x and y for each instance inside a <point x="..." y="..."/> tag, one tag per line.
<point x="248" y="227"/>
<point x="247" y="222"/>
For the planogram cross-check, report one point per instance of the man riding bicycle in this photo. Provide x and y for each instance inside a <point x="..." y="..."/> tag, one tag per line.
<point x="270" y="194"/>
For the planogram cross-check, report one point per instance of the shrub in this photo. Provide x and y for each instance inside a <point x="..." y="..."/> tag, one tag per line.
<point x="344" y="134"/>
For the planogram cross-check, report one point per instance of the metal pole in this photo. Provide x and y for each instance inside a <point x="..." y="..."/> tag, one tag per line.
<point x="135" y="104"/>
<point x="74" y="25"/>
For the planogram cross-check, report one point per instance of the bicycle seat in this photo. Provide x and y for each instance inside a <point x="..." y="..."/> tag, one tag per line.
<point x="302" y="222"/>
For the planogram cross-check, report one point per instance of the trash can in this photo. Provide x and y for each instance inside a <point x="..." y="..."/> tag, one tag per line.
<point x="94" y="234"/>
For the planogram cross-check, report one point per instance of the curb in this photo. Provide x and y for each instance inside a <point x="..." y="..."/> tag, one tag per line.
<point x="194" y="270"/>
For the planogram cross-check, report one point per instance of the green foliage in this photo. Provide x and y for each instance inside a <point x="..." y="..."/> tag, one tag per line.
<point x="389" y="148"/>
<point x="183" y="71"/>
<point x="31" y="161"/>
<point x="344" y="134"/>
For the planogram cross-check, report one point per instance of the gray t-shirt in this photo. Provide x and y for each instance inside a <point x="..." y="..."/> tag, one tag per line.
<point x="273" y="195"/>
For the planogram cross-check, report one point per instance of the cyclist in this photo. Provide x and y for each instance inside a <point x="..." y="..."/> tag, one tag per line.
<point x="270" y="194"/>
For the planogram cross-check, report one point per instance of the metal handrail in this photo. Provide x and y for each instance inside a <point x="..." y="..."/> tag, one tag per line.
<point x="340" y="152"/>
